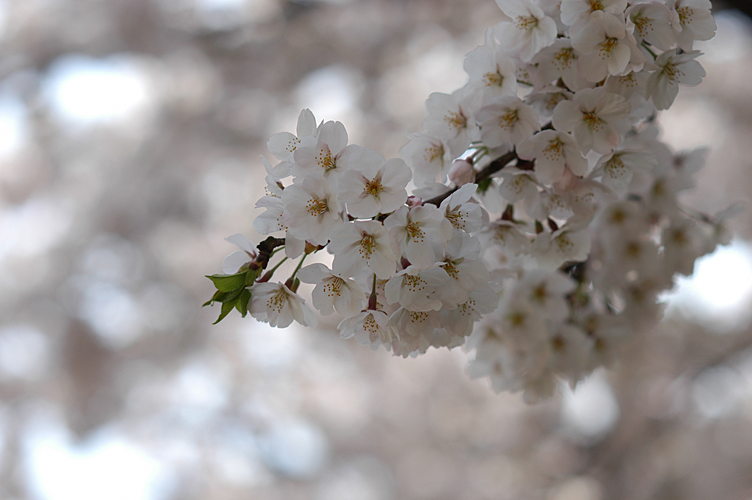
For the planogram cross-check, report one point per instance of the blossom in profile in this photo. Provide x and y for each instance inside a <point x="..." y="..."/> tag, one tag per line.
<point x="674" y="68"/>
<point x="276" y="304"/>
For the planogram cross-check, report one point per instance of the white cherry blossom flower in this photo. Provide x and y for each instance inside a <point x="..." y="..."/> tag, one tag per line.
<point x="529" y="30"/>
<point x="628" y="85"/>
<point x="277" y="305"/>
<point x="416" y="330"/>
<point x="546" y="291"/>
<point x="362" y="244"/>
<point x="673" y="69"/>
<point x="333" y="291"/>
<point x="558" y="61"/>
<point x="506" y="121"/>
<point x="490" y="69"/>
<point x="552" y="249"/>
<point x="616" y="170"/>
<point x="418" y="232"/>
<point x="233" y="262"/>
<point x="463" y="214"/>
<point x="552" y="151"/>
<point x="321" y="158"/>
<point x="312" y="210"/>
<point x="283" y="144"/>
<point x="505" y="239"/>
<point x="651" y="21"/>
<point x="577" y="12"/>
<point x="448" y="119"/>
<point x="545" y="100"/>
<point x="369" y="328"/>
<point x="694" y="21"/>
<point x="273" y="220"/>
<point x="606" y="48"/>
<point x="570" y="347"/>
<point x="465" y="271"/>
<point x="683" y="242"/>
<point x="372" y="185"/>
<point x="460" y="320"/>
<point x="416" y="289"/>
<point x="518" y="185"/>
<point x="594" y="117"/>
<point x="428" y="157"/>
<point x="274" y="175"/>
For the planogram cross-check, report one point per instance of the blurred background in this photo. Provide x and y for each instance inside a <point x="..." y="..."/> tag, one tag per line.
<point x="130" y="136"/>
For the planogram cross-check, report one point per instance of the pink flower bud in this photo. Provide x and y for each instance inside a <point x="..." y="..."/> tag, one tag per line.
<point x="568" y="181"/>
<point x="414" y="201"/>
<point x="462" y="172"/>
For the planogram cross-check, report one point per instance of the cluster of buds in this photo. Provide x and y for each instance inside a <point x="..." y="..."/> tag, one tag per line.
<point x="543" y="220"/>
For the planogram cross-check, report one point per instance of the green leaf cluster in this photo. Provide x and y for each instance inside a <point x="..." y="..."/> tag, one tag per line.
<point x="232" y="292"/>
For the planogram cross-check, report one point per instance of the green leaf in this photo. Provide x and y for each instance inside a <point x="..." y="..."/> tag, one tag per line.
<point x="251" y="276"/>
<point x="242" y="302"/>
<point x="228" y="282"/>
<point x="226" y="308"/>
<point x="484" y="185"/>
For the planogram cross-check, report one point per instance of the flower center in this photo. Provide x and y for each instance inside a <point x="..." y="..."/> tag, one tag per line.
<point x="517" y="318"/>
<point x="277" y="301"/>
<point x="334" y="286"/>
<point x="526" y="22"/>
<point x="595" y="5"/>
<point x="643" y="24"/>
<point x="608" y="45"/>
<point x="615" y="167"/>
<point x="433" y="153"/>
<point x="553" y="152"/>
<point x="592" y="120"/>
<point x="292" y="144"/>
<point x="414" y="283"/>
<point x="451" y="270"/>
<point x="456" y="218"/>
<point x="325" y="160"/>
<point x="685" y="15"/>
<point x="508" y="119"/>
<point x="672" y="72"/>
<point x="493" y="79"/>
<point x="316" y="207"/>
<point x="374" y="187"/>
<point x="540" y="294"/>
<point x="367" y="245"/>
<point x="564" y="58"/>
<point x="414" y="232"/>
<point x="456" y="120"/>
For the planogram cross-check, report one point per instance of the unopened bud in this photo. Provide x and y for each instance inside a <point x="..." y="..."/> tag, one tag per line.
<point x="568" y="181"/>
<point x="462" y="172"/>
<point x="414" y="201"/>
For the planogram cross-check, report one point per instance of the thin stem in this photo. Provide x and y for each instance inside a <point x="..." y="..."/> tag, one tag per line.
<point x="302" y="259"/>
<point x="271" y="271"/>
<point x="276" y="250"/>
<point x="372" y="298"/>
<point x="646" y="47"/>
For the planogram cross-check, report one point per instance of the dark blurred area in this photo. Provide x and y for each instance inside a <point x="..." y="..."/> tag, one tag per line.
<point x="130" y="141"/>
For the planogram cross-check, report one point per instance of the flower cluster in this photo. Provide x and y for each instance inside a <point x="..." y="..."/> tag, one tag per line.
<point x="543" y="219"/>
